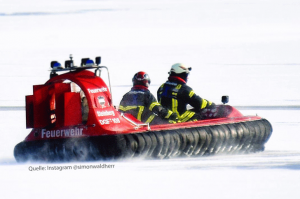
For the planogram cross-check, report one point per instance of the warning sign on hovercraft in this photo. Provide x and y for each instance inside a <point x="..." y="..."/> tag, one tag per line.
<point x="62" y="133"/>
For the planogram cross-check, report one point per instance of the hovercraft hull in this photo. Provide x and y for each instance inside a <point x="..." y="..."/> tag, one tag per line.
<point x="230" y="138"/>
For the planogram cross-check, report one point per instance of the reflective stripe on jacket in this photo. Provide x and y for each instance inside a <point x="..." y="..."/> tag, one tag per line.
<point x="142" y="104"/>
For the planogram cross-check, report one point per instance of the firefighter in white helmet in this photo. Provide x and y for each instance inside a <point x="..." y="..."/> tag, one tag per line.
<point x="175" y="95"/>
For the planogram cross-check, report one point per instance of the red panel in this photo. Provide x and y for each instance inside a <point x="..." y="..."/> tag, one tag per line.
<point x="72" y="109"/>
<point x="41" y="106"/>
<point x="60" y="90"/>
<point x="29" y="111"/>
<point x="234" y="113"/>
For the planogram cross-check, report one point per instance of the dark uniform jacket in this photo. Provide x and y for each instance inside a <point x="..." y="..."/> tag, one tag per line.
<point x="176" y="95"/>
<point x="140" y="103"/>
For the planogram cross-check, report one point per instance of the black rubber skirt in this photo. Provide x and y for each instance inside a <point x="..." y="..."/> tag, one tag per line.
<point x="233" y="138"/>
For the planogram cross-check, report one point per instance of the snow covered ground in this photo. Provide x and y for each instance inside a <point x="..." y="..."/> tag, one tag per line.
<point x="248" y="50"/>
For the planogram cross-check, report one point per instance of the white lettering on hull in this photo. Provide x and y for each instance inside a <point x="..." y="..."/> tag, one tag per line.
<point x="105" y="113"/>
<point x="97" y="90"/>
<point x="109" y="121"/>
<point x="62" y="133"/>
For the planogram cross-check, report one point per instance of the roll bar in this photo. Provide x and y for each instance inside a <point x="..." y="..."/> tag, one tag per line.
<point x="86" y="63"/>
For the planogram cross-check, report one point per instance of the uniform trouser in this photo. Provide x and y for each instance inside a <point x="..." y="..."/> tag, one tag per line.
<point x="159" y="120"/>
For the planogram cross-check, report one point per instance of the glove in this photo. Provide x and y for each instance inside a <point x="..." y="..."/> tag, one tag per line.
<point x="212" y="106"/>
<point x="173" y="118"/>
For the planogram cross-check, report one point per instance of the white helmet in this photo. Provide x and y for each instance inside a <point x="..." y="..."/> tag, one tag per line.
<point x="180" y="68"/>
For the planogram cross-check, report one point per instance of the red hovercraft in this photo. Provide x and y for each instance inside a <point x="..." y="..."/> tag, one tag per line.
<point x="70" y="125"/>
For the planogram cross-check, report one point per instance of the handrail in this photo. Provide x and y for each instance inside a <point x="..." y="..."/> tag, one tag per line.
<point x="97" y="68"/>
<point x="134" y="123"/>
